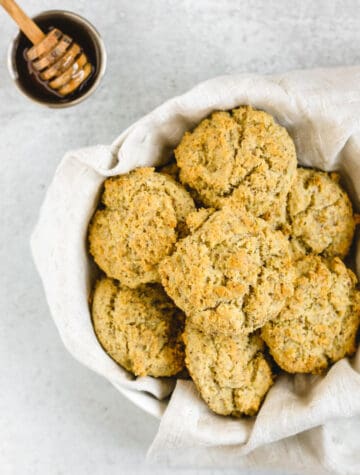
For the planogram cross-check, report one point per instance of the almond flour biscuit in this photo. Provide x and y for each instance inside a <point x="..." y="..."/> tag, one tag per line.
<point x="242" y="157"/>
<point x="139" y="328"/>
<point x="231" y="275"/>
<point x="319" y="214"/>
<point x="318" y="325"/>
<point x="144" y="215"/>
<point x="231" y="373"/>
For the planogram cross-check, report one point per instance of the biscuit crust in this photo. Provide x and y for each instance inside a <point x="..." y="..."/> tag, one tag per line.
<point x="319" y="214"/>
<point x="231" y="373"/>
<point x="139" y="328"/>
<point x="232" y="274"/>
<point x="241" y="157"/>
<point x="318" y="326"/>
<point x="144" y="215"/>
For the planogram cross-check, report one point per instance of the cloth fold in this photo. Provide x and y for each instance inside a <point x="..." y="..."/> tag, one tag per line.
<point x="307" y="423"/>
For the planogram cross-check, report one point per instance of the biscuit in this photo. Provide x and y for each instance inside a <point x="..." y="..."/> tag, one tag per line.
<point x="231" y="373"/>
<point x="231" y="275"/>
<point x="242" y="157"/>
<point x="144" y="215"/>
<point x="318" y="325"/>
<point x="139" y="328"/>
<point x="319" y="214"/>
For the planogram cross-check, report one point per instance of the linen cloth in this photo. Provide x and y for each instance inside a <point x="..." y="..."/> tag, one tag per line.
<point x="307" y="423"/>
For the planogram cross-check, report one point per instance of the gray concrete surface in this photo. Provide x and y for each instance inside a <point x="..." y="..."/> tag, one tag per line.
<point x="56" y="417"/>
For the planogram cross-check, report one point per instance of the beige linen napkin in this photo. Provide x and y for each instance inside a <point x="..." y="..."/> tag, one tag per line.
<point x="306" y="423"/>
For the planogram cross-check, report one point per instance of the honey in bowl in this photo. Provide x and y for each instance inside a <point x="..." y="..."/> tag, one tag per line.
<point x="81" y="32"/>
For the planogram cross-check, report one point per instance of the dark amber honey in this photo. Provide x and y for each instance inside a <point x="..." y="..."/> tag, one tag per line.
<point x="28" y="80"/>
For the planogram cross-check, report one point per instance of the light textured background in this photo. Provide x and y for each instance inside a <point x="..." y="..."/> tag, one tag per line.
<point x="56" y="417"/>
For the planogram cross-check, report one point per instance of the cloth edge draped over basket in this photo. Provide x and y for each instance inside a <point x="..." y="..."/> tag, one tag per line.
<point x="306" y="423"/>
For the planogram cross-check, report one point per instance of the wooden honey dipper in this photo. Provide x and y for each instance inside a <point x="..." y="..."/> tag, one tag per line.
<point x="59" y="63"/>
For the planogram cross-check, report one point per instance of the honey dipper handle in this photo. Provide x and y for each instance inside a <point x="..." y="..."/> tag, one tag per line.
<point x="26" y="25"/>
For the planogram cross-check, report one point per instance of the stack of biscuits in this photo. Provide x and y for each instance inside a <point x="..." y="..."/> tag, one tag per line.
<point x="228" y="261"/>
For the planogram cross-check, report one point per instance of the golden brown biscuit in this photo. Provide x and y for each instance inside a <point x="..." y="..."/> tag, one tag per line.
<point x="231" y="373"/>
<point x="231" y="275"/>
<point x="139" y="328"/>
<point x="144" y="215"/>
<point x="318" y="325"/>
<point x="319" y="214"/>
<point x="242" y="157"/>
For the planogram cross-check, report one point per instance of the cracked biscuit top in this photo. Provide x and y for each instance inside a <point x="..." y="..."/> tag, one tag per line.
<point x="144" y="215"/>
<point x="238" y="157"/>
<point x="139" y="328"/>
<point x="319" y="215"/>
<point x="232" y="274"/>
<point x="318" y="325"/>
<point x="231" y="373"/>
